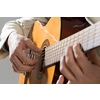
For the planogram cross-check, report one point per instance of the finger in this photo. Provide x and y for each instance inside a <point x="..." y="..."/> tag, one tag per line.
<point x="71" y="63"/>
<point x="22" y="67"/>
<point x="93" y="57"/>
<point x="15" y="69"/>
<point x="32" y="46"/>
<point x="81" y="58"/>
<point x="65" y="70"/>
<point x="23" y="58"/>
<point x="60" y="80"/>
<point x="12" y="63"/>
<point x="69" y="82"/>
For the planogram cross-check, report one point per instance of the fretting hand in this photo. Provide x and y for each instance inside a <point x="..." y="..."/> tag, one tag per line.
<point x="79" y="69"/>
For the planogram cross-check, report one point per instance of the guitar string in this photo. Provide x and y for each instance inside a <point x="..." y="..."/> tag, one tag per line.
<point x="66" y="45"/>
<point x="83" y="43"/>
<point x="66" y="42"/>
<point x="37" y="56"/>
<point x="93" y="28"/>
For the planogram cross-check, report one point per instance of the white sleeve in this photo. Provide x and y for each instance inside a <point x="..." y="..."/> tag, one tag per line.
<point x="22" y="26"/>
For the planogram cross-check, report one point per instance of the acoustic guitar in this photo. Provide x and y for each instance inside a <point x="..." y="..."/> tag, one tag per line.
<point x="53" y="38"/>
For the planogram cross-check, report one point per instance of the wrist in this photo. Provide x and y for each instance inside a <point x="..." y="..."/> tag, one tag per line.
<point x="9" y="39"/>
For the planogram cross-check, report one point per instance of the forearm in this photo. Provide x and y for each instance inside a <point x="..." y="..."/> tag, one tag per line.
<point x="21" y="26"/>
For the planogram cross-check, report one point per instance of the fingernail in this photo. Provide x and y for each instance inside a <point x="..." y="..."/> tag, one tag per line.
<point x="38" y="49"/>
<point x="60" y="76"/>
<point x="34" y="69"/>
<point x="58" y="79"/>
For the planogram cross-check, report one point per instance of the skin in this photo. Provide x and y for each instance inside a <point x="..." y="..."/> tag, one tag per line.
<point x="78" y="68"/>
<point x="20" y="63"/>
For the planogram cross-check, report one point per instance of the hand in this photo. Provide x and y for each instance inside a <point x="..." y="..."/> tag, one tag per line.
<point x="61" y="80"/>
<point x="77" y="68"/>
<point x="17" y="43"/>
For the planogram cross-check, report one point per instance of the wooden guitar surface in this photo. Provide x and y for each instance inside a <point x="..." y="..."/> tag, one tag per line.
<point x="44" y="36"/>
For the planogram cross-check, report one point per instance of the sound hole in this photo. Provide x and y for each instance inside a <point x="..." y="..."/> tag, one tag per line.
<point x="41" y="60"/>
<point x="40" y="71"/>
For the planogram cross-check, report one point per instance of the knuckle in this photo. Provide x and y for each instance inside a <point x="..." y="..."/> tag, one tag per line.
<point x="61" y="64"/>
<point x="67" y="49"/>
<point x="14" y="71"/>
<point x="69" y="61"/>
<point x="61" y="69"/>
<point x="78" y="57"/>
<point x="24" y="60"/>
<point x="19" y="67"/>
<point x="62" y="58"/>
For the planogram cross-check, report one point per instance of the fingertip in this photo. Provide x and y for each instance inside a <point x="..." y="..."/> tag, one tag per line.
<point x="60" y="79"/>
<point x="38" y="49"/>
<point x="32" y="46"/>
<point x="76" y="44"/>
<point x="69" y="82"/>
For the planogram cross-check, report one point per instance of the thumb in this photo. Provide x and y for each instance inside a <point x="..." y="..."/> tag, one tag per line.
<point x="32" y="46"/>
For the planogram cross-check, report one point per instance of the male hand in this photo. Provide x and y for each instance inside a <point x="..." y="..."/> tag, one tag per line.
<point x="79" y="69"/>
<point x="20" y="63"/>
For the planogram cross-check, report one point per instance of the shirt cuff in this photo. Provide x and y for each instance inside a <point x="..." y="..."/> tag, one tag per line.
<point x="5" y="47"/>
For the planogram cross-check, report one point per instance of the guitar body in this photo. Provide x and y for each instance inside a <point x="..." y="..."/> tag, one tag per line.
<point x="43" y="36"/>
